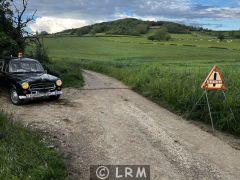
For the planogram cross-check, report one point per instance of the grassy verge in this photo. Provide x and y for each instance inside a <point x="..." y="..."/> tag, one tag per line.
<point x="24" y="156"/>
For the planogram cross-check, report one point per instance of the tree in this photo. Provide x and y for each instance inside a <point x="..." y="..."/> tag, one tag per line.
<point x="142" y="28"/>
<point x="221" y="36"/>
<point x="231" y="34"/>
<point x="151" y="38"/>
<point x="43" y="33"/>
<point x="21" y="20"/>
<point x="237" y="34"/>
<point x="94" y="31"/>
<point x="84" y="30"/>
<point x="177" y="28"/>
<point x="13" y="23"/>
<point x="8" y="43"/>
<point x="161" y="35"/>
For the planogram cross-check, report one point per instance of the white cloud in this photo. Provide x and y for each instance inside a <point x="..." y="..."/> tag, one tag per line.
<point x="56" y="16"/>
<point x="53" y="24"/>
<point x="150" y="18"/>
<point x="225" y="12"/>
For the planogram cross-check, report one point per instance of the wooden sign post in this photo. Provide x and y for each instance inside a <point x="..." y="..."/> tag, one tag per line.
<point x="213" y="82"/>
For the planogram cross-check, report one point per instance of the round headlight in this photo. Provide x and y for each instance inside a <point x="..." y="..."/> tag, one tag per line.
<point x="25" y="86"/>
<point x="59" y="83"/>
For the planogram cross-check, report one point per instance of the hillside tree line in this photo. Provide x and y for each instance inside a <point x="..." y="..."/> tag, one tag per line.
<point x="129" y="26"/>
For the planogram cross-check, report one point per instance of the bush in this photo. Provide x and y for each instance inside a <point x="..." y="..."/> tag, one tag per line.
<point x="221" y="37"/>
<point x="177" y="28"/>
<point x="7" y="46"/>
<point x="142" y="28"/>
<point x="40" y="54"/>
<point x="151" y="38"/>
<point x="160" y="35"/>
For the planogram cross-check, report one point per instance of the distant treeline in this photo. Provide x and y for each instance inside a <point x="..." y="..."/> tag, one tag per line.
<point x="130" y="26"/>
<point x="226" y="34"/>
<point x="232" y="34"/>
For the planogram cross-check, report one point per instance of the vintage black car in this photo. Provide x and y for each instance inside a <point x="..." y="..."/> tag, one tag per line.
<point x="26" y="80"/>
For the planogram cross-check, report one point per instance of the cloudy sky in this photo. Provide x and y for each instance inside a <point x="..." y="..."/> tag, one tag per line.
<point x="57" y="15"/>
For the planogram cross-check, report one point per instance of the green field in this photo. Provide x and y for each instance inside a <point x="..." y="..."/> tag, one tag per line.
<point x="169" y="73"/>
<point x="114" y="48"/>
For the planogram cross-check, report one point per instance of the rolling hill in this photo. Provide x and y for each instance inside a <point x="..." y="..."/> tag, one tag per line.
<point x="136" y="27"/>
<point x="130" y="26"/>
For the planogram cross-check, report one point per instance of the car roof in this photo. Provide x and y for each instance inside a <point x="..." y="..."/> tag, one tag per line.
<point x="21" y="59"/>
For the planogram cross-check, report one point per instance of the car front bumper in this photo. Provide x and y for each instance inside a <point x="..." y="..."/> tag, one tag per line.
<point x="40" y="95"/>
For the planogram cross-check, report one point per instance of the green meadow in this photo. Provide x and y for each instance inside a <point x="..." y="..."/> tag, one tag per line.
<point x="114" y="48"/>
<point x="169" y="73"/>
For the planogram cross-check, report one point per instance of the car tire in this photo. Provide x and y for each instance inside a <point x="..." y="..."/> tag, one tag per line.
<point x="14" y="97"/>
<point x="55" y="98"/>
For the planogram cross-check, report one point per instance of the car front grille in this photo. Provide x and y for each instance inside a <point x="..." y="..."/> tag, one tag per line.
<point x="42" y="86"/>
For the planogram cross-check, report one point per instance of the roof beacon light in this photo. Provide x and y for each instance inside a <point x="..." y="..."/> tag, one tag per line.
<point x="20" y="55"/>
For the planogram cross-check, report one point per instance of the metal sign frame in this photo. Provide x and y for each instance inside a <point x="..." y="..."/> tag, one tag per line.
<point x="205" y="94"/>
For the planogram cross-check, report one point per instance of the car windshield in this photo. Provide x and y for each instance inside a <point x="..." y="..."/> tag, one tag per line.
<point x="25" y="67"/>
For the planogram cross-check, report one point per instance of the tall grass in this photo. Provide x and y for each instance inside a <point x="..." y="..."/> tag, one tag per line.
<point x="24" y="156"/>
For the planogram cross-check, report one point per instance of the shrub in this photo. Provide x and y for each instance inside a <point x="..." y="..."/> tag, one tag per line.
<point x="41" y="54"/>
<point x="221" y="37"/>
<point x="7" y="46"/>
<point x="151" y="38"/>
<point x="161" y="35"/>
<point x="177" y="28"/>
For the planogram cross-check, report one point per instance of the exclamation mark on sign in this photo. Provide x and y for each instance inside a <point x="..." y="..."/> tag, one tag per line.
<point x="215" y="78"/>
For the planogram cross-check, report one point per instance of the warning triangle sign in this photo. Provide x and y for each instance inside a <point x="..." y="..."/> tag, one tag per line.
<point x="214" y="81"/>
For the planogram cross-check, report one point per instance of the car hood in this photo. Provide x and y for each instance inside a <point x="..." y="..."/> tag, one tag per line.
<point x="33" y="77"/>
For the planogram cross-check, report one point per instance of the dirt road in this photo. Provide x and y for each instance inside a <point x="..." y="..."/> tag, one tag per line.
<point x="106" y="123"/>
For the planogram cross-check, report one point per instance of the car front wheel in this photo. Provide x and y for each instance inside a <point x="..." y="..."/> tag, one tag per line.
<point x="15" y="97"/>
